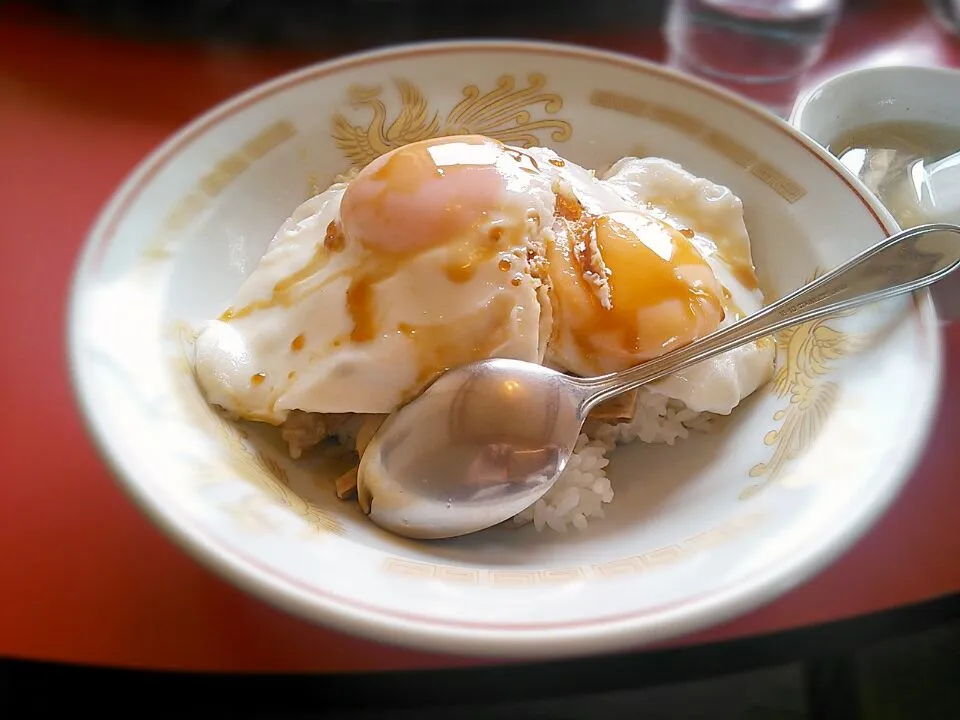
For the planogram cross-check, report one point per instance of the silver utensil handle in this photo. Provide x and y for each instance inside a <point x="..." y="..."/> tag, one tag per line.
<point x="894" y="266"/>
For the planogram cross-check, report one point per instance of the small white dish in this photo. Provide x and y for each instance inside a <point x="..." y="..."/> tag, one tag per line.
<point x="892" y="94"/>
<point x="888" y="93"/>
<point x="698" y="533"/>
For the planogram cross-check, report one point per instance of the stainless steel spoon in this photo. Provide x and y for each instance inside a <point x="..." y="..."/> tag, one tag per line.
<point x="486" y="440"/>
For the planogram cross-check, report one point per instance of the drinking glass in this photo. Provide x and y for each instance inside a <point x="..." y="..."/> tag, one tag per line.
<point x="760" y="48"/>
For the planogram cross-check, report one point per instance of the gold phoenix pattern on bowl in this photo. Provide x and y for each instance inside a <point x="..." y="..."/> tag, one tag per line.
<point x="504" y="113"/>
<point x="809" y="352"/>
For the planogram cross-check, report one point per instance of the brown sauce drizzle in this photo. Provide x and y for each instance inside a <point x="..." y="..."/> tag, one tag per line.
<point x="473" y="252"/>
<point x="520" y="156"/>
<point x="568" y="207"/>
<point x="743" y="270"/>
<point x="474" y="337"/>
<point x="401" y="172"/>
<point x="360" y="305"/>
<point x="738" y="262"/>
<point x="284" y="291"/>
<point x="465" y="258"/>
<point x="334" y="239"/>
<point x="730" y="307"/>
<point x="647" y="285"/>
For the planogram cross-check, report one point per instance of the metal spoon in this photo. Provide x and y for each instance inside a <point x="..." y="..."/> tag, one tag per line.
<point x="486" y="440"/>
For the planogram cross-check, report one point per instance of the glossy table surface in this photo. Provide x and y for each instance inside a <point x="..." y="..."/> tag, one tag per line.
<point x="85" y="576"/>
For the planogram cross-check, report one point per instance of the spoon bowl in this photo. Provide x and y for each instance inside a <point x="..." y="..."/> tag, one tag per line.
<point x="482" y="443"/>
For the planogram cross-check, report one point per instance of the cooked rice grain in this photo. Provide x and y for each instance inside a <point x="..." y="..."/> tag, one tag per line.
<point x="583" y="488"/>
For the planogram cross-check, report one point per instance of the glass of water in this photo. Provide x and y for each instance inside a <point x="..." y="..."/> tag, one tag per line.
<point x="760" y="48"/>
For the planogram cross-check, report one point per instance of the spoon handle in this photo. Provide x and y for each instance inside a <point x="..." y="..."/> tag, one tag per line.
<point x="899" y="264"/>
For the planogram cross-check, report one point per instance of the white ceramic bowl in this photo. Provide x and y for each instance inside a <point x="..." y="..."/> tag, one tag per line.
<point x="697" y="533"/>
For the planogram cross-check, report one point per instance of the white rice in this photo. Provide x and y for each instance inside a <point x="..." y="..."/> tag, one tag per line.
<point x="584" y="488"/>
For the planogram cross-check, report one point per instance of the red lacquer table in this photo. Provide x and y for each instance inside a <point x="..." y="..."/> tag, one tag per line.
<point x="84" y="577"/>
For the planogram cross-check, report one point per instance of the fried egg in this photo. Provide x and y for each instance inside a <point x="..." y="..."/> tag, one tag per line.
<point x="463" y="248"/>
<point x="646" y="259"/>
<point x="370" y="289"/>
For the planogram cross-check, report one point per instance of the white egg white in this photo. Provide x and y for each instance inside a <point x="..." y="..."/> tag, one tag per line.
<point x="249" y="365"/>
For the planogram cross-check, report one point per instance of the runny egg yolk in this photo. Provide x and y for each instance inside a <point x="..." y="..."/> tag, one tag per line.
<point x="428" y="193"/>
<point x="662" y="293"/>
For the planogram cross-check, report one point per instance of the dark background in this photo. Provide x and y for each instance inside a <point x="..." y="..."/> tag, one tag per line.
<point x="320" y="24"/>
<point x="902" y="664"/>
